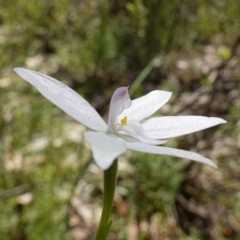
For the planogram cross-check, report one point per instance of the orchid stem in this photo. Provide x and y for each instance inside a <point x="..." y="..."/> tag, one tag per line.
<point x="110" y="176"/>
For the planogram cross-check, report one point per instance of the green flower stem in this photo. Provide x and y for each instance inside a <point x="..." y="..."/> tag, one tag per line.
<point x="110" y="176"/>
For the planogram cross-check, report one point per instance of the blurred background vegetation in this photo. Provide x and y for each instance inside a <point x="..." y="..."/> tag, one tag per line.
<point x="49" y="187"/>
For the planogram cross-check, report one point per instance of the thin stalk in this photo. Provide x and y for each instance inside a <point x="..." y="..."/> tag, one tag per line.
<point x="110" y="176"/>
<point x="142" y="76"/>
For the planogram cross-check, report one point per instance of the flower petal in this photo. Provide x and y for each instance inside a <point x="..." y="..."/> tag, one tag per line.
<point x="145" y="106"/>
<point x="125" y="130"/>
<point x="120" y="100"/>
<point x="169" y="127"/>
<point x="169" y="151"/>
<point x="65" y="98"/>
<point x="105" y="147"/>
<point x="135" y="130"/>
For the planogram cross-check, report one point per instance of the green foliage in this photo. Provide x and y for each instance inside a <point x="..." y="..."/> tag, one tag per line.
<point x="156" y="183"/>
<point x="95" y="46"/>
<point x="40" y="173"/>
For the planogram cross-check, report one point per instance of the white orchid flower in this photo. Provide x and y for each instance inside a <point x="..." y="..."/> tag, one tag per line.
<point x="128" y="126"/>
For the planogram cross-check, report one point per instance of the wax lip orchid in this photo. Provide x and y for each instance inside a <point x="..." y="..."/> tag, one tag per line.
<point x="128" y="124"/>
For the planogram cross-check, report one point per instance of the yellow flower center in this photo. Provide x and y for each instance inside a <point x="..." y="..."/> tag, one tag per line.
<point x="124" y="121"/>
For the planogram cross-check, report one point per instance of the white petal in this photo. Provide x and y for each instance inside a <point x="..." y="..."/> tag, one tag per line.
<point x="138" y="128"/>
<point x="168" y="127"/>
<point x="105" y="147"/>
<point x="135" y="130"/>
<point x="130" y="139"/>
<point x="169" y="151"/>
<point x="119" y="101"/>
<point x="125" y="130"/>
<point x="145" y="106"/>
<point x="65" y="98"/>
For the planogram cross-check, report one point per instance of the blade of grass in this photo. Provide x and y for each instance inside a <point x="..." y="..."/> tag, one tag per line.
<point x="142" y="76"/>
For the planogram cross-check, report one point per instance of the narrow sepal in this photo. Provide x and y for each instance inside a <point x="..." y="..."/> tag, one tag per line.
<point x="64" y="97"/>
